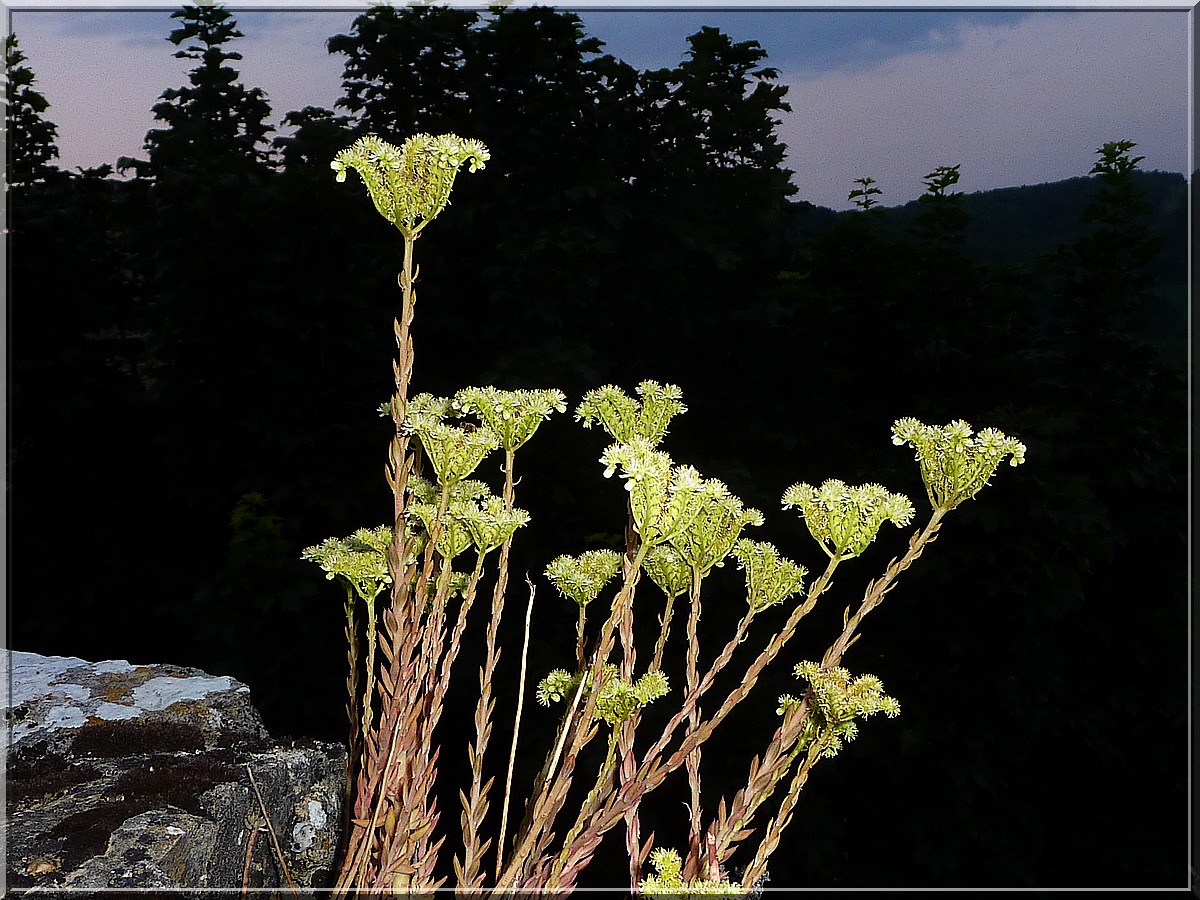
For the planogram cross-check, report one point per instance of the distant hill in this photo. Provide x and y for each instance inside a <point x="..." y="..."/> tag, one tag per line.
<point x="1019" y="225"/>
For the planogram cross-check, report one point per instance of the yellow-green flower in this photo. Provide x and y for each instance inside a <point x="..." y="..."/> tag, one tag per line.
<point x="617" y="700"/>
<point x="513" y="415"/>
<point x="844" y="519"/>
<point x="770" y="578"/>
<point x="455" y="452"/>
<point x="410" y="184"/>
<point x="713" y="527"/>
<point x="360" y="560"/>
<point x="837" y="700"/>
<point x="667" y="883"/>
<point x="491" y="522"/>
<point x="453" y="536"/>
<point x="674" y="504"/>
<point x="668" y="570"/>
<point x="627" y="419"/>
<point x="955" y="462"/>
<point x="473" y="515"/>
<point x="582" y="578"/>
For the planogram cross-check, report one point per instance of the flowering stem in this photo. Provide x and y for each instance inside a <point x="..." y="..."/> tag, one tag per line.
<point x="603" y="783"/>
<point x="770" y="839"/>
<point x="653" y="769"/>
<point x="397" y="621"/>
<point x="766" y="771"/>
<point x="369" y="691"/>
<point x="577" y="730"/>
<point x="663" y="631"/>
<point x="357" y="740"/>
<point x="477" y="804"/>
<point x="625" y="734"/>
<point x="692" y="864"/>
<point x="878" y="589"/>
<point x="580" y="643"/>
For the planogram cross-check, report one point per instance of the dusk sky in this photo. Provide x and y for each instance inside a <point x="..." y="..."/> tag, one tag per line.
<point x="1016" y="96"/>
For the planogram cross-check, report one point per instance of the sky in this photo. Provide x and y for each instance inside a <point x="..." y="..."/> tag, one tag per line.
<point x="1013" y="96"/>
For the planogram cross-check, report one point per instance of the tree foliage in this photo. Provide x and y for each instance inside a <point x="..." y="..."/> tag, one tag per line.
<point x="216" y="123"/>
<point x="29" y="134"/>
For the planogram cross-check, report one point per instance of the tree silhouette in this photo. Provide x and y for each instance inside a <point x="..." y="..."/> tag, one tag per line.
<point x="590" y="157"/>
<point x="718" y="108"/>
<point x="216" y="123"/>
<point x="317" y="134"/>
<point x="31" y="136"/>
<point x="1113" y="256"/>
<point x="403" y="67"/>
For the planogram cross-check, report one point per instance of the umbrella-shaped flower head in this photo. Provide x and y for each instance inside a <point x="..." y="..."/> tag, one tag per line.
<point x="410" y="184"/>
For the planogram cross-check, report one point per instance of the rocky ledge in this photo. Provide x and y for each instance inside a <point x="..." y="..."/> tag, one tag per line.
<point x="157" y="777"/>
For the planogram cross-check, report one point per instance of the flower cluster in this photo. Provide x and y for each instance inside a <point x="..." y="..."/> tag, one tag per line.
<point x="837" y="700"/>
<point x="674" y="504"/>
<point x="668" y="883"/>
<point x="699" y="518"/>
<point x="454" y="451"/>
<point x="410" y="184"/>
<point x="955" y="462"/>
<point x="654" y="493"/>
<point x="581" y="578"/>
<point x="714" y="524"/>
<point x="456" y="587"/>
<point x="472" y="516"/>
<point x="617" y="700"/>
<point x="360" y="560"/>
<point x="844" y="519"/>
<point x="627" y="419"/>
<point x="668" y="569"/>
<point x="770" y="578"/>
<point x="512" y="415"/>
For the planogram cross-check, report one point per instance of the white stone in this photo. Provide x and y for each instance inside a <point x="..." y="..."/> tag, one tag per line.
<point x="159" y="693"/>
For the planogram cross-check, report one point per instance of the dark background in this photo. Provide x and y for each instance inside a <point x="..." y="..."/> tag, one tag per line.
<point x="199" y="341"/>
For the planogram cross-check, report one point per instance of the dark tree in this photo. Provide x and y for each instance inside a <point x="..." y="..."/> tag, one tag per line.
<point x="941" y="220"/>
<point x="718" y="108"/>
<point x="216" y="123"/>
<point x="403" y="69"/>
<point x="590" y="158"/>
<point x="317" y="134"/>
<point x="1113" y="257"/>
<point x="30" y="135"/>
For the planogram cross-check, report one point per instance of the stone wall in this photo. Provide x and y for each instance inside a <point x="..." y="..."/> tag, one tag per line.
<point x="144" y="777"/>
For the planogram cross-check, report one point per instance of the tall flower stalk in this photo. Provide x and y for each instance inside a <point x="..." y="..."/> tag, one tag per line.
<point x="411" y="587"/>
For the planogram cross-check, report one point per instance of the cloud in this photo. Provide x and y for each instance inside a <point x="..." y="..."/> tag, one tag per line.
<point x="119" y="28"/>
<point x="800" y="40"/>
<point x="1014" y="103"/>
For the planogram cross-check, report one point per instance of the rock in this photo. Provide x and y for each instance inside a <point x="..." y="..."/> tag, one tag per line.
<point x="139" y="777"/>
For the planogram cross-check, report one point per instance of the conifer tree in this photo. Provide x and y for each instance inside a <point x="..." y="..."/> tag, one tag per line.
<point x="1113" y="255"/>
<point x="30" y="136"/>
<point x="216" y="123"/>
